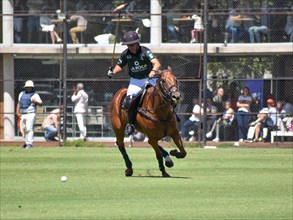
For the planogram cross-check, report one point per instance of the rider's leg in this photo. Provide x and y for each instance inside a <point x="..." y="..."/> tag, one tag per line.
<point x="131" y="112"/>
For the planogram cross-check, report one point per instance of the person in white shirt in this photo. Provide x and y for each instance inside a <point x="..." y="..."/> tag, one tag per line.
<point x="224" y="121"/>
<point x="80" y="99"/>
<point x="197" y="27"/>
<point x="26" y="108"/>
<point x="194" y="120"/>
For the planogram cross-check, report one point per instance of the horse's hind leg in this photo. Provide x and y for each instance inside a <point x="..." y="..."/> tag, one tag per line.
<point x="156" y="147"/>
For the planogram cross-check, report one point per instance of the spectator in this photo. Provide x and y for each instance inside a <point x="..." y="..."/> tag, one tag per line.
<point x="197" y="27"/>
<point x="224" y="121"/>
<point x="233" y="94"/>
<point x="28" y="100"/>
<point x="243" y="104"/>
<point x="193" y="121"/>
<point x="211" y="114"/>
<point x="266" y="119"/>
<point x="281" y="114"/>
<point x="272" y="112"/>
<point x="142" y="66"/>
<point x="254" y="107"/>
<point x="174" y="31"/>
<point x="219" y="100"/>
<point x="19" y="8"/>
<point x="261" y="123"/>
<point x="286" y="114"/>
<point x="262" y="27"/>
<point x="81" y="27"/>
<point x="47" y="26"/>
<point x="213" y="25"/>
<point x="234" y="27"/>
<point x="51" y="125"/>
<point x="287" y="106"/>
<point x="80" y="99"/>
<point x="35" y="7"/>
<point x="289" y="25"/>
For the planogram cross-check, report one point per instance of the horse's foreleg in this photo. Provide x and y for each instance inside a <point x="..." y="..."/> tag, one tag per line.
<point x="168" y="161"/>
<point x="179" y="143"/>
<point x="129" y="170"/>
<point x="156" y="147"/>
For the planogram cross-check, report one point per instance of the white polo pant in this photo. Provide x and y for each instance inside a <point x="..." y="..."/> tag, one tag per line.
<point x="28" y="121"/>
<point x="135" y="85"/>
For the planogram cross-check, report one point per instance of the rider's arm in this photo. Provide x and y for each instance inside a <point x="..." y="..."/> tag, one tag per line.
<point x="117" y="69"/>
<point x="156" y="67"/>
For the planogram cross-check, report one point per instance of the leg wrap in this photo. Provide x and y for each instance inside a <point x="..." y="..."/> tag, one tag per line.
<point x="125" y="157"/>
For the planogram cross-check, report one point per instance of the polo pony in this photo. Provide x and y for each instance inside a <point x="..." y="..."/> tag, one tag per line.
<point x="155" y="118"/>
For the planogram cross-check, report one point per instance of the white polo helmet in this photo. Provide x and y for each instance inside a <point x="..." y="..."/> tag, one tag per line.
<point x="29" y="83"/>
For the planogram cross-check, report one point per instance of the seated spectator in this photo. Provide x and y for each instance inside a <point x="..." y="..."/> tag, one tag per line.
<point x="174" y="31"/>
<point x="214" y="26"/>
<point x="224" y="121"/>
<point x="33" y="23"/>
<point x="272" y="112"/>
<point x="266" y="119"/>
<point x="233" y="93"/>
<point x="262" y="122"/>
<point x="289" y="26"/>
<point x="219" y="100"/>
<point x="285" y="115"/>
<point x="197" y="27"/>
<point x="262" y="26"/>
<point x="51" y="125"/>
<point x="81" y="27"/>
<point x="211" y="114"/>
<point x="19" y="8"/>
<point x="47" y="26"/>
<point x="234" y="27"/>
<point x="194" y="120"/>
<point x="254" y="107"/>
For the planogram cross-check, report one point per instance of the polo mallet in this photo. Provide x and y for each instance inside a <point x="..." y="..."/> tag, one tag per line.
<point x="118" y="8"/>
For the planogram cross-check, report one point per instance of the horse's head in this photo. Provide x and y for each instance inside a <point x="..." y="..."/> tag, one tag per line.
<point x="170" y="86"/>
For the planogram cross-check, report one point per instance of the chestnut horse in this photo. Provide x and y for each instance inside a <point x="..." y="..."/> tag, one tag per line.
<point x="155" y="117"/>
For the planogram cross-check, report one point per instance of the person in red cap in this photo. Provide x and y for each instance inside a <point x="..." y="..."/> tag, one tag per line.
<point x="272" y="112"/>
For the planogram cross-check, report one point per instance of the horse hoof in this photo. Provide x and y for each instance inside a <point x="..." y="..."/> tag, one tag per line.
<point x="173" y="153"/>
<point x="165" y="174"/>
<point x="128" y="172"/>
<point x="169" y="163"/>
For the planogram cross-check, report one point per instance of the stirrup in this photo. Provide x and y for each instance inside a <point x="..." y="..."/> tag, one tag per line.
<point x="129" y="129"/>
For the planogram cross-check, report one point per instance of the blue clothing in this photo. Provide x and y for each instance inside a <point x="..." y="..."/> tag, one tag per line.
<point x="51" y="132"/>
<point x="243" y="124"/>
<point x="187" y="125"/>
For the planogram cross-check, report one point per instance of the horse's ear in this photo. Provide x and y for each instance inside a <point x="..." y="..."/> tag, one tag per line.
<point x="169" y="68"/>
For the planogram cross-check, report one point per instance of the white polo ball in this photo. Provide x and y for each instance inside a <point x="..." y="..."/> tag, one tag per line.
<point x="63" y="178"/>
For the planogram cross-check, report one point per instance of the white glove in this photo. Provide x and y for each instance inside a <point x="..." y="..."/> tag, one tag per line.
<point x="110" y="72"/>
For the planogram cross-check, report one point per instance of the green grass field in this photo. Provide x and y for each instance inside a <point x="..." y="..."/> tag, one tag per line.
<point x="208" y="184"/>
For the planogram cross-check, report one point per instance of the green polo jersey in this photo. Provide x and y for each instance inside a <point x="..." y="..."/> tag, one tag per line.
<point x="139" y="64"/>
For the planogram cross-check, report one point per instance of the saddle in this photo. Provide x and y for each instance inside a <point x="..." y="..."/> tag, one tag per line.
<point x="137" y="100"/>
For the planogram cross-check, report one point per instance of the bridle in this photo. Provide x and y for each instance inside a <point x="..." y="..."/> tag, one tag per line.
<point x="168" y="92"/>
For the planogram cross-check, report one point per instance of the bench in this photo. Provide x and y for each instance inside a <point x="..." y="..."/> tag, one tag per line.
<point x="280" y="134"/>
